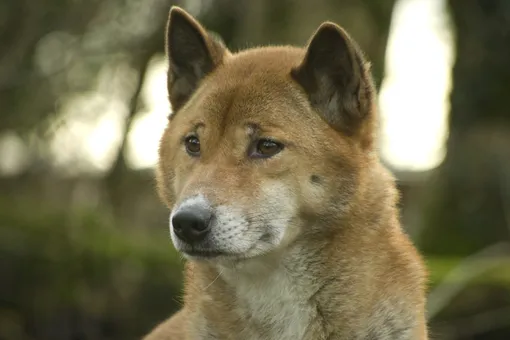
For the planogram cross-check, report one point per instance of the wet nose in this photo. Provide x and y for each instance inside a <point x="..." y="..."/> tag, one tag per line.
<point x="192" y="224"/>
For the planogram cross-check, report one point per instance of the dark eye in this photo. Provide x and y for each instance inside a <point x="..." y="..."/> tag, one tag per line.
<point x="192" y="144"/>
<point x="265" y="148"/>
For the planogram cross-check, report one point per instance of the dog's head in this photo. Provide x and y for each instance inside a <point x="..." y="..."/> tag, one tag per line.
<point x="263" y="145"/>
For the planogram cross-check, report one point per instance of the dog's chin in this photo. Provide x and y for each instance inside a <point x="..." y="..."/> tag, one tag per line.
<point x="207" y="255"/>
<point x="221" y="256"/>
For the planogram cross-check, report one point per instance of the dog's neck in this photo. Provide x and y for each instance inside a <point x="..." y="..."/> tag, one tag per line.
<point x="273" y="292"/>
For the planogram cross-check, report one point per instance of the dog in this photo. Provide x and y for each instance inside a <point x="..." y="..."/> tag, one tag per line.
<point x="278" y="198"/>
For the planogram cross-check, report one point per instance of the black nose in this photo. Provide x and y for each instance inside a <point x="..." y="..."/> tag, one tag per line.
<point x="192" y="224"/>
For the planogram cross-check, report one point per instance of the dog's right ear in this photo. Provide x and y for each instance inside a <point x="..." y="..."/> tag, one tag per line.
<point x="336" y="78"/>
<point x="192" y="54"/>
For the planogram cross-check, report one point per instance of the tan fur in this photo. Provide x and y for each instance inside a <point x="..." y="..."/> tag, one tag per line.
<point x="342" y="268"/>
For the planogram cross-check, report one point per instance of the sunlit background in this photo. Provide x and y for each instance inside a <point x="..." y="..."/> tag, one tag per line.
<point x="84" y="248"/>
<point x="413" y="101"/>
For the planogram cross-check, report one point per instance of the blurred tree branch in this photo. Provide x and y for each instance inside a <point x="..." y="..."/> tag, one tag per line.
<point x="26" y="23"/>
<point x="17" y="46"/>
<point x="115" y="179"/>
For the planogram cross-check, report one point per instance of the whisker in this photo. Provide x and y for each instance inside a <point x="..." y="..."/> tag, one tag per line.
<point x="210" y="284"/>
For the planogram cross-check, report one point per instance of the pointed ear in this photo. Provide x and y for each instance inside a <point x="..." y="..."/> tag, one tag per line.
<point x="336" y="78"/>
<point x="192" y="54"/>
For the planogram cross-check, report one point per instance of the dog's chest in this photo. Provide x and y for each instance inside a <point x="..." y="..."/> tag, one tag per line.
<point x="273" y="308"/>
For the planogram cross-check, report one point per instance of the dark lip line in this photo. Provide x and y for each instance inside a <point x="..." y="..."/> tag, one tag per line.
<point x="205" y="253"/>
<point x="212" y="253"/>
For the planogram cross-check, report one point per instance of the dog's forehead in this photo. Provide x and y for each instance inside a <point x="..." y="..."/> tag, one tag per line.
<point x="252" y="86"/>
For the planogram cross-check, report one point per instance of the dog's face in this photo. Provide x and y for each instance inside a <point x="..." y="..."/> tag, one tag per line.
<point x="263" y="145"/>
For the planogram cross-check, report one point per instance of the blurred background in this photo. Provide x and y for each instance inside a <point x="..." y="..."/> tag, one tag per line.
<point x="84" y="245"/>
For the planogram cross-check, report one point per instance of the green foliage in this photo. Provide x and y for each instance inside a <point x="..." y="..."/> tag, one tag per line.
<point x="75" y="276"/>
<point x="498" y="274"/>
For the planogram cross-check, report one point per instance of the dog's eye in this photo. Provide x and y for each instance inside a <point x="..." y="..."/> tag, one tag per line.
<point x="192" y="144"/>
<point x="265" y="148"/>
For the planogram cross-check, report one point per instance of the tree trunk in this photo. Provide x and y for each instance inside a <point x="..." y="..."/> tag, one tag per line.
<point x="468" y="206"/>
<point x="293" y="22"/>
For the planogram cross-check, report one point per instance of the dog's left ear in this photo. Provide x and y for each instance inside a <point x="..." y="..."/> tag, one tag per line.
<point x="192" y="54"/>
<point x="336" y="78"/>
